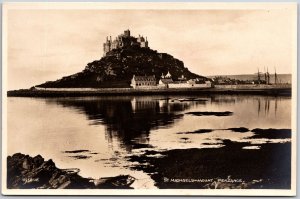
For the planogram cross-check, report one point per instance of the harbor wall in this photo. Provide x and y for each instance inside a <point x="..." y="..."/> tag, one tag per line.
<point x="253" y="86"/>
<point x="75" y="92"/>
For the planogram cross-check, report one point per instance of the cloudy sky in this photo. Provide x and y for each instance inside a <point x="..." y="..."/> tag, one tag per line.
<point x="47" y="44"/>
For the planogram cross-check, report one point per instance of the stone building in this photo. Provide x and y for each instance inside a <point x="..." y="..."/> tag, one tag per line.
<point x="124" y="40"/>
<point x="165" y="80"/>
<point x="143" y="82"/>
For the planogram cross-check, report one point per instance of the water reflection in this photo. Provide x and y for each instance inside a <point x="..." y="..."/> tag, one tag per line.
<point x="129" y="119"/>
<point x="113" y="128"/>
<point x="264" y="104"/>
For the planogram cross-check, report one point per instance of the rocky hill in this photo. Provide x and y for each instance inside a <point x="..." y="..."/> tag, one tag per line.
<point x="116" y="68"/>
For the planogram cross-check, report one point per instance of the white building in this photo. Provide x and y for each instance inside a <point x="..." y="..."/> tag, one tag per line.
<point x="144" y="82"/>
<point x="167" y="82"/>
<point x="195" y="84"/>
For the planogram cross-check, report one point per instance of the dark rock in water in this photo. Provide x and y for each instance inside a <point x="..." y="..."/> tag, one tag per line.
<point x="240" y="130"/>
<point x="226" y="113"/>
<point x="77" y="151"/>
<point x="197" y="131"/>
<point x="25" y="172"/>
<point x="185" y="140"/>
<point x="209" y="168"/>
<point x="80" y="156"/>
<point x="116" y="182"/>
<point x="141" y="146"/>
<point x="272" y="133"/>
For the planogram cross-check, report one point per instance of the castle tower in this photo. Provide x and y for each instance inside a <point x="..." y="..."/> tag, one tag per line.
<point x="124" y="40"/>
<point x="143" y="42"/>
<point x="107" y="46"/>
<point x="146" y="43"/>
<point x="127" y="33"/>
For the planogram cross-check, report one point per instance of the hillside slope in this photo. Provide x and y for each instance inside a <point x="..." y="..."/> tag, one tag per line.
<point x="115" y="70"/>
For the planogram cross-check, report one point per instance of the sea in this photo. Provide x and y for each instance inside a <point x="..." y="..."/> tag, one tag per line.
<point x="151" y="137"/>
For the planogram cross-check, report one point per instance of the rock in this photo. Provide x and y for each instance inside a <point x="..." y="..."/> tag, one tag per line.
<point x="38" y="160"/>
<point x="231" y="184"/>
<point x="64" y="185"/>
<point x="26" y="164"/>
<point x="121" y="181"/>
<point x="25" y="172"/>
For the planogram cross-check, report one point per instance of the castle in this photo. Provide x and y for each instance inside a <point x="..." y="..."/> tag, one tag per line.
<point x="124" y="40"/>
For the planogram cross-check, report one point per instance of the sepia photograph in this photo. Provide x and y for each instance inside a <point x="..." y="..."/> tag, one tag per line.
<point x="149" y="98"/>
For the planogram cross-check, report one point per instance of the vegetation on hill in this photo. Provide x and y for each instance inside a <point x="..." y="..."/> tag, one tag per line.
<point x="115" y="70"/>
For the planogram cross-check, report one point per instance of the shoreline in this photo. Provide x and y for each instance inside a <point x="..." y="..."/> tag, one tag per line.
<point x="228" y="167"/>
<point x="80" y="92"/>
<point x="26" y="172"/>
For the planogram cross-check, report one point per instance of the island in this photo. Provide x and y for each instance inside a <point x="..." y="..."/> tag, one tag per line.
<point x="130" y="67"/>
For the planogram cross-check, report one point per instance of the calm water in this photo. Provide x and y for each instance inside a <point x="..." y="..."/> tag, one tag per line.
<point x="111" y="129"/>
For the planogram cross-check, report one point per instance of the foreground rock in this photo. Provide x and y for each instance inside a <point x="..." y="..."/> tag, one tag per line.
<point x="25" y="172"/>
<point x="227" y="167"/>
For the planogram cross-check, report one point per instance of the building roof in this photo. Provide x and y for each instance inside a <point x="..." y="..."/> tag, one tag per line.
<point x="144" y="78"/>
<point x="180" y="81"/>
<point x="166" y="80"/>
<point x="168" y="75"/>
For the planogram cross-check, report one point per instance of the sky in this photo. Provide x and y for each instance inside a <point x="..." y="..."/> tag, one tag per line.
<point x="45" y="45"/>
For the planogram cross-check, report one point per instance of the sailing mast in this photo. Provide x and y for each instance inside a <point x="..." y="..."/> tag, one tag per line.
<point x="268" y="76"/>
<point x="276" y="80"/>
<point x="265" y="74"/>
<point x="258" y="76"/>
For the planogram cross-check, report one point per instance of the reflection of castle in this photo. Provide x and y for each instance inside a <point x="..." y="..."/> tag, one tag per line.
<point x="124" y="40"/>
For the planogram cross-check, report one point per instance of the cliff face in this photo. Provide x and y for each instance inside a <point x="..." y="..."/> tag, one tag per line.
<point x="115" y="70"/>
